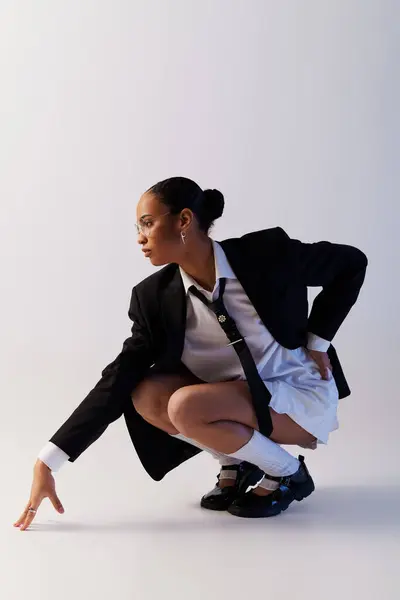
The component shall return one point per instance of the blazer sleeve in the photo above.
(106, 401)
(339, 269)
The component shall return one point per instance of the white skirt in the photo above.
(302, 394)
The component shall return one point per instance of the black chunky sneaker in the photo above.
(221, 498)
(291, 487)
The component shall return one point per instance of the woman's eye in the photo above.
(148, 223)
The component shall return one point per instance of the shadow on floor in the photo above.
(357, 507)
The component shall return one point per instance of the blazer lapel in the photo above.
(254, 275)
(173, 314)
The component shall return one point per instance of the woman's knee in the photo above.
(150, 398)
(184, 409)
(152, 395)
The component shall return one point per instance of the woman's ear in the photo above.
(186, 216)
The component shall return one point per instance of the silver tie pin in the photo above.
(230, 343)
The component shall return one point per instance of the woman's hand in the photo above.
(43, 486)
(323, 362)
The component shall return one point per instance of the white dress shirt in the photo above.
(291, 376)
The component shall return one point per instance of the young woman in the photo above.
(222, 357)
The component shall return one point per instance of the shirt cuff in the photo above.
(317, 343)
(53, 456)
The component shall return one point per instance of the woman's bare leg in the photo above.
(221, 416)
(151, 396)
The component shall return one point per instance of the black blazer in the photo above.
(275, 272)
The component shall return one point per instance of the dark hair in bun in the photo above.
(179, 192)
(214, 203)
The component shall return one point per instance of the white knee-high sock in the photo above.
(223, 459)
(214, 453)
(267, 455)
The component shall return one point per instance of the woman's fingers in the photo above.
(323, 362)
(22, 517)
(56, 502)
(43, 486)
(28, 519)
(29, 516)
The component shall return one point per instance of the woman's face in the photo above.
(160, 232)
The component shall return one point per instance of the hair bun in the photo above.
(214, 202)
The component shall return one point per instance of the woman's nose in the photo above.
(141, 237)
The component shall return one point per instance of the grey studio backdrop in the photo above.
(290, 109)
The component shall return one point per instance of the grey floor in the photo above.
(124, 535)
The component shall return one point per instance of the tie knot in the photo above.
(194, 290)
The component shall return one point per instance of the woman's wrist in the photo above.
(41, 466)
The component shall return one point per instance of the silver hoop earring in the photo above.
(183, 235)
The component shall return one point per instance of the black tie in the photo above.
(260, 394)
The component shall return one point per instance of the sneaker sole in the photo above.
(211, 507)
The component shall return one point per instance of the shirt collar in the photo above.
(222, 268)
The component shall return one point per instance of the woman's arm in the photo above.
(339, 269)
(105, 402)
